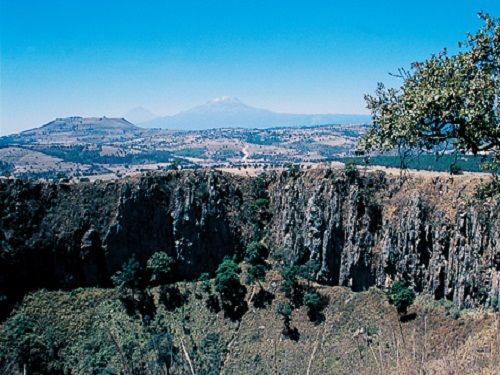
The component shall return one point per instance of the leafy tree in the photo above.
(309, 269)
(445, 99)
(227, 284)
(312, 300)
(315, 303)
(255, 255)
(30, 346)
(351, 170)
(205, 282)
(284, 310)
(174, 165)
(455, 169)
(129, 283)
(160, 266)
(292, 169)
(257, 274)
(401, 296)
(129, 275)
(171, 297)
(290, 285)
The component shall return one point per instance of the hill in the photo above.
(70, 130)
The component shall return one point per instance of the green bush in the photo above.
(160, 266)
(29, 345)
(315, 304)
(351, 171)
(228, 285)
(455, 169)
(256, 273)
(129, 276)
(256, 253)
(401, 296)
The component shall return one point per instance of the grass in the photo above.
(360, 333)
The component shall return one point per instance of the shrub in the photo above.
(160, 266)
(256, 273)
(284, 310)
(401, 296)
(309, 269)
(232, 293)
(256, 253)
(455, 169)
(129, 275)
(290, 285)
(205, 282)
(351, 170)
(315, 303)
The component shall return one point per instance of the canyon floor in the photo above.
(358, 333)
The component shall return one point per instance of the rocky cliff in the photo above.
(370, 230)
(363, 231)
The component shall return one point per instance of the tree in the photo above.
(401, 296)
(205, 282)
(290, 285)
(315, 303)
(255, 255)
(284, 310)
(309, 270)
(128, 282)
(29, 345)
(128, 276)
(228, 285)
(159, 265)
(445, 99)
(312, 300)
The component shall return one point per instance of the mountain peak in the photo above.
(225, 100)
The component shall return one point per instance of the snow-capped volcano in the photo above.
(226, 111)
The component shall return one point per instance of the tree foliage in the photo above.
(160, 266)
(445, 99)
(401, 296)
(255, 255)
(228, 285)
(128, 276)
(26, 344)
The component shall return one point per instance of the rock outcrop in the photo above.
(363, 231)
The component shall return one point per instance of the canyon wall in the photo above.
(363, 231)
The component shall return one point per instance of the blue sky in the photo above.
(93, 58)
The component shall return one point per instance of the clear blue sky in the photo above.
(93, 58)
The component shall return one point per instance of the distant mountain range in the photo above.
(229, 112)
(224, 112)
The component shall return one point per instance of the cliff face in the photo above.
(363, 231)
(59, 235)
(371, 230)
